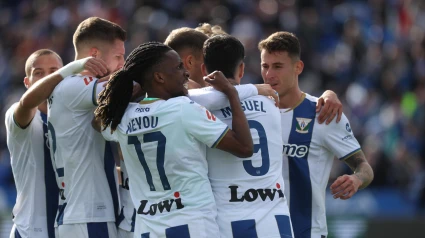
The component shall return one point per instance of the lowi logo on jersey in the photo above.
(253, 194)
(303, 125)
(163, 206)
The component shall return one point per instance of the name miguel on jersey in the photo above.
(246, 106)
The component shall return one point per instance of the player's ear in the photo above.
(158, 77)
(241, 69)
(27, 82)
(204, 70)
(299, 66)
(94, 52)
(188, 62)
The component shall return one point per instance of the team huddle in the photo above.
(199, 155)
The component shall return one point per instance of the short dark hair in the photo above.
(282, 41)
(138, 66)
(223, 53)
(186, 38)
(35, 55)
(96, 29)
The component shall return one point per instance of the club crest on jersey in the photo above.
(303, 125)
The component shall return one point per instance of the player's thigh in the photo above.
(125, 234)
(88, 230)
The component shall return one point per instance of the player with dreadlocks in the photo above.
(163, 140)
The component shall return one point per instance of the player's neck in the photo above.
(158, 94)
(43, 107)
(291, 99)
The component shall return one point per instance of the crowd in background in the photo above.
(370, 52)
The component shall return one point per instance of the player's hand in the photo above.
(345, 186)
(217, 80)
(329, 106)
(97, 67)
(268, 91)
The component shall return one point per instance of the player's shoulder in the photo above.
(260, 98)
(76, 81)
(11, 109)
(311, 98)
(181, 99)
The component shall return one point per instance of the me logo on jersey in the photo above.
(252, 194)
(163, 206)
(294, 150)
(303, 125)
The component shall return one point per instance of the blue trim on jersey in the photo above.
(284, 225)
(244, 228)
(220, 137)
(350, 154)
(94, 96)
(52, 190)
(109, 164)
(121, 217)
(60, 171)
(299, 172)
(61, 212)
(17, 235)
(177, 232)
(133, 220)
(97, 229)
(145, 235)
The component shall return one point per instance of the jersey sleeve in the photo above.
(339, 138)
(107, 135)
(202, 124)
(214, 100)
(13, 129)
(79, 92)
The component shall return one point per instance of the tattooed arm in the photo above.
(347, 185)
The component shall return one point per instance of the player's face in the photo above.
(176, 77)
(113, 55)
(279, 70)
(42, 66)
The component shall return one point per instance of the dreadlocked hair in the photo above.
(114, 99)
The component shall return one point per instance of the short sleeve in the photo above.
(79, 92)
(13, 129)
(215, 100)
(107, 135)
(339, 139)
(202, 124)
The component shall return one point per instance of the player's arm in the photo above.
(329, 106)
(347, 185)
(214, 100)
(237, 141)
(41, 90)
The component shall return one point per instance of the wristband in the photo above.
(73, 68)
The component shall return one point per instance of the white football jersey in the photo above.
(37, 192)
(84, 163)
(127, 214)
(163, 145)
(249, 192)
(308, 152)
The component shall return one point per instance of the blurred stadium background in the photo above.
(370, 52)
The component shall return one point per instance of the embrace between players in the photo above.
(217, 160)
